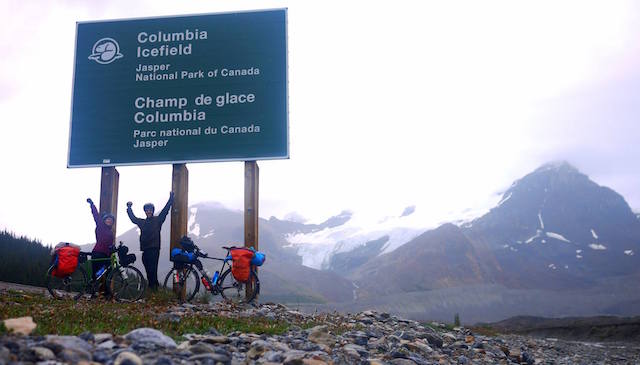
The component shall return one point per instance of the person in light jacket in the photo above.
(150, 237)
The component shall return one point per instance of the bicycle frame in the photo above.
(122, 282)
(197, 265)
(187, 268)
(111, 262)
(216, 286)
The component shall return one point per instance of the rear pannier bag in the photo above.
(65, 259)
(241, 266)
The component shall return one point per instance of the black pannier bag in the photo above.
(187, 244)
(124, 258)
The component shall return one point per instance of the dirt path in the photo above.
(27, 288)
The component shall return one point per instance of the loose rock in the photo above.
(22, 326)
(43, 353)
(320, 334)
(152, 336)
(127, 358)
(362, 338)
(69, 342)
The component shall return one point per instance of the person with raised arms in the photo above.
(150, 237)
(105, 239)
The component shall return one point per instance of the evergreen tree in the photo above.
(22, 260)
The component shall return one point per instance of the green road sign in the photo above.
(180, 89)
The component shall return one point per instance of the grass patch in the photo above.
(485, 331)
(68, 317)
(160, 297)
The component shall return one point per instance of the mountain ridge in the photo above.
(552, 231)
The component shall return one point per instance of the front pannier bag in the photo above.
(182, 256)
(258, 259)
(241, 266)
(65, 259)
(124, 258)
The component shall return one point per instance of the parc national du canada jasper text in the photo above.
(163, 110)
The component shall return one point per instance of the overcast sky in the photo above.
(441, 105)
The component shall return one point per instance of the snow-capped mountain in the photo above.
(553, 229)
(552, 239)
(557, 219)
(556, 244)
(317, 248)
(365, 236)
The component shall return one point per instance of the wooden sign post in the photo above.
(251, 178)
(179, 209)
(109, 193)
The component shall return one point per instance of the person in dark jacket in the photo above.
(104, 237)
(150, 238)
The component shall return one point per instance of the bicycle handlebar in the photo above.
(202, 254)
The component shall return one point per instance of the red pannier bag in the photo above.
(66, 259)
(241, 266)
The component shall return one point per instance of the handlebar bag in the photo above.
(182, 256)
(241, 266)
(66, 259)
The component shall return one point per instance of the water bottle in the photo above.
(101, 271)
(215, 277)
(206, 283)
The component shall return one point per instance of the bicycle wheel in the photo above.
(236, 291)
(187, 277)
(126, 284)
(71, 286)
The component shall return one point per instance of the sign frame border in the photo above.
(286, 156)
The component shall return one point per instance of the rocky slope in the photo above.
(437, 259)
(367, 337)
